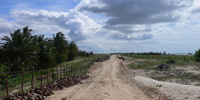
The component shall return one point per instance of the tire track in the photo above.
(107, 82)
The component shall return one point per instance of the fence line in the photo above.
(44, 74)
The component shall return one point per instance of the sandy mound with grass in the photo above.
(178, 91)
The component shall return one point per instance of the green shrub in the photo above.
(185, 58)
(3, 74)
(197, 55)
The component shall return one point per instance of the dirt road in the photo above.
(107, 82)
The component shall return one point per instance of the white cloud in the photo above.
(132, 19)
(196, 8)
(128, 32)
(74, 24)
(136, 11)
(6, 27)
(151, 24)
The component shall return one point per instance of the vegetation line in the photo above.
(23, 53)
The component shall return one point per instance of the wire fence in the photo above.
(19, 81)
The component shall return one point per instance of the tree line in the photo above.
(196, 54)
(142, 53)
(22, 49)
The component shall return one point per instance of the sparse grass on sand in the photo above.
(185, 70)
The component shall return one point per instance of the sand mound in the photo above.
(179, 91)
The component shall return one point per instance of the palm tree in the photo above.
(91, 53)
(1, 55)
(82, 53)
(61, 45)
(20, 49)
(46, 53)
(73, 50)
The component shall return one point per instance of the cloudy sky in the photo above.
(106, 26)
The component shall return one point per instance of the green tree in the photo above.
(164, 53)
(81, 53)
(197, 55)
(20, 49)
(61, 45)
(46, 56)
(91, 53)
(73, 51)
(87, 54)
(1, 55)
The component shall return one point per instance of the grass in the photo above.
(27, 86)
(79, 62)
(15, 83)
(140, 66)
(164, 57)
(150, 62)
(183, 76)
(27, 78)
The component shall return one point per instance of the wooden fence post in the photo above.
(68, 73)
(41, 77)
(32, 77)
(57, 72)
(52, 73)
(71, 71)
(8, 70)
(64, 72)
(75, 70)
(47, 76)
(22, 80)
(60, 72)
(81, 70)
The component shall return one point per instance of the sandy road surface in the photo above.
(106, 82)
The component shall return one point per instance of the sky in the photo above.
(108, 26)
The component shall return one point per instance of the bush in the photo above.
(3, 74)
(197, 55)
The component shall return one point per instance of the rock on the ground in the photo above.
(163, 66)
(170, 61)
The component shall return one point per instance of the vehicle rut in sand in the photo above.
(106, 82)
